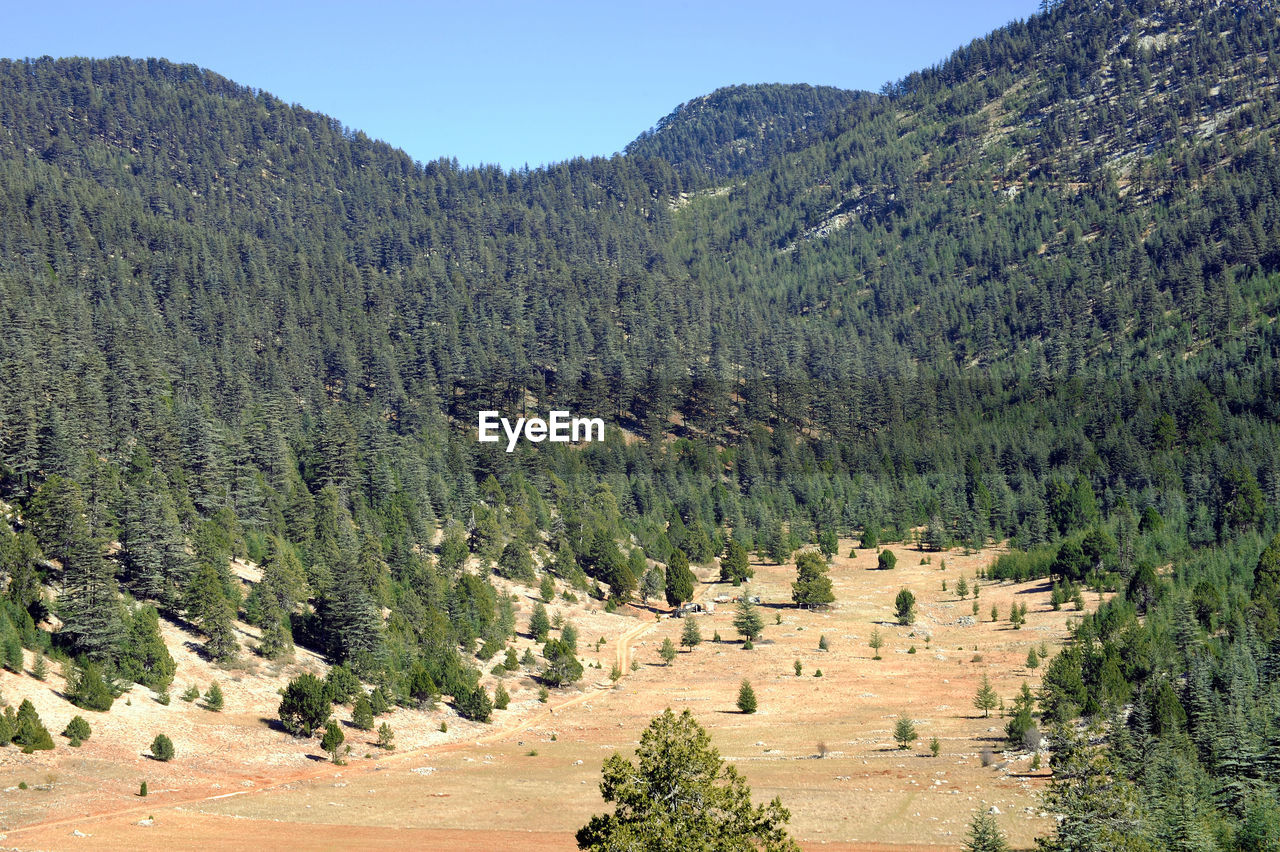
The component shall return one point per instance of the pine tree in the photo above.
(876, 642)
(747, 620)
(668, 651)
(385, 737)
(986, 698)
(362, 714)
(332, 740)
(985, 835)
(680, 580)
(539, 623)
(812, 587)
(690, 635)
(904, 732)
(162, 748)
(213, 699)
(735, 565)
(905, 606)
(501, 698)
(746, 697)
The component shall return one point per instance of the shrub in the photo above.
(385, 736)
(305, 706)
(191, 693)
(213, 699)
(332, 740)
(341, 685)
(935, 747)
(28, 731)
(77, 730)
(162, 748)
(501, 700)
(142, 790)
(886, 560)
(90, 691)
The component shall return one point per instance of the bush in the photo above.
(823, 645)
(333, 739)
(305, 707)
(29, 732)
(142, 790)
(162, 748)
(191, 693)
(385, 737)
(77, 730)
(905, 606)
(501, 700)
(342, 685)
(886, 560)
(90, 691)
(474, 704)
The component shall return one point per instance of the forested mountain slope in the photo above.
(1029, 293)
(738, 130)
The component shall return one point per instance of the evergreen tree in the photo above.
(747, 620)
(362, 714)
(28, 732)
(213, 699)
(539, 623)
(690, 635)
(680, 580)
(985, 835)
(668, 651)
(904, 732)
(677, 791)
(746, 697)
(812, 586)
(905, 606)
(162, 748)
(332, 740)
(305, 707)
(986, 698)
(735, 567)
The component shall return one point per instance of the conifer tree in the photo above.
(690, 635)
(746, 697)
(986, 698)
(747, 620)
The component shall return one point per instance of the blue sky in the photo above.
(512, 83)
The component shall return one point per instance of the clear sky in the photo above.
(492, 81)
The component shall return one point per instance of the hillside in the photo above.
(1028, 295)
(738, 130)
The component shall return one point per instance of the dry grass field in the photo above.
(529, 780)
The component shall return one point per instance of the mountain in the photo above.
(738, 130)
(1028, 294)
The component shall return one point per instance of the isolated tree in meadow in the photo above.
(747, 620)
(905, 606)
(667, 651)
(962, 588)
(886, 560)
(876, 642)
(305, 706)
(162, 748)
(812, 586)
(904, 732)
(690, 635)
(680, 579)
(213, 699)
(986, 699)
(1033, 658)
(501, 698)
(385, 737)
(985, 835)
(746, 697)
(679, 795)
(333, 739)
(77, 730)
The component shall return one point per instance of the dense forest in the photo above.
(1028, 294)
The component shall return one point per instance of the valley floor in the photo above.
(530, 779)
